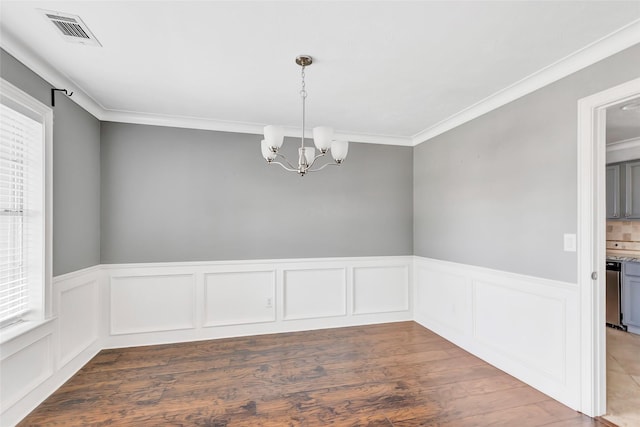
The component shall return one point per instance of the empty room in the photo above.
(310, 213)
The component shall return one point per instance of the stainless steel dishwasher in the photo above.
(614, 312)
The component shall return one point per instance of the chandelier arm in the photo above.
(283, 166)
(323, 166)
(316, 158)
(286, 161)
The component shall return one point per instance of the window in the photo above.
(25, 182)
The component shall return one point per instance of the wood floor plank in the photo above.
(522, 416)
(578, 422)
(386, 375)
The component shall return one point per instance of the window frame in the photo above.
(43, 309)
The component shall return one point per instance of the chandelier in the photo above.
(307, 157)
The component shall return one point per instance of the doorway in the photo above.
(623, 250)
(592, 240)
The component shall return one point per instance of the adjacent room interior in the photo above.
(623, 237)
(311, 213)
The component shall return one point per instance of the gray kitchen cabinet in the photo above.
(613, 192)
(623, 190)
(632, 190)
(630, 296)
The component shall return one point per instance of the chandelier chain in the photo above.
(303, 95)
(303, 91)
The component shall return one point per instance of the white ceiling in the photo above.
(623, 124)
(383, 71)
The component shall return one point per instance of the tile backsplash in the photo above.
(623, 237)
(624, 231)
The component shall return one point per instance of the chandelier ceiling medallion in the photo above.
(322, 139)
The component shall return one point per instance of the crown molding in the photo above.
(624, 144)
(604, 47)
(403, 141)
(180, 122)
(295, 132)
(236, 127)
(56, 79)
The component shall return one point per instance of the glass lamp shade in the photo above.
(339, 150)
(322, 137)
(266, 152)
(274, 135)
(309, 154)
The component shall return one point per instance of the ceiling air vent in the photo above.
(71, 28)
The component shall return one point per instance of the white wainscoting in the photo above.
(526, 326)
(173, 302)
(78, 315)
(26, 369)
(235, 298)
(381, 289)
(35, 363)
(147, 303)
(314, 292)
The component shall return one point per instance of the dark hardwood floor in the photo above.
(397, 374)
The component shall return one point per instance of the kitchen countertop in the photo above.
(626, 258)
(615, 254)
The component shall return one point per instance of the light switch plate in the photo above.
(570, 243)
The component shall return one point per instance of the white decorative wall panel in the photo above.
(239, 297)
(24, 370)
(152, 303)
(315, 293)
(380, 289)
(526, 326)
(444, 298)
(234, 298)
(78, 317)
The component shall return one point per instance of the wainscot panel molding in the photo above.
(375, 289)
(240, 297)
(151, 302)
(314, 293)
(37, 362)
(526, 326)
(160, 303)
(78, 304)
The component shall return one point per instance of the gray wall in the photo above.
(498, 191)
(501, 190)
(171, 194)
(76, 172)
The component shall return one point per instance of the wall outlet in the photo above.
(269, 302)
(570, 243)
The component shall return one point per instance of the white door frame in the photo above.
(592, 241)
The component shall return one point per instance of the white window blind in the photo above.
(21, 141)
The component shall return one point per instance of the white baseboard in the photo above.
(526, 326)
